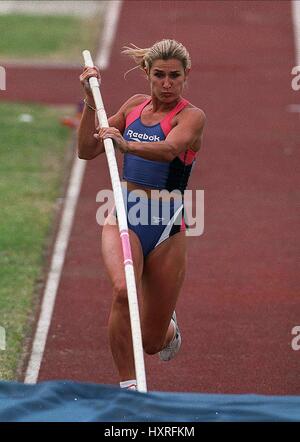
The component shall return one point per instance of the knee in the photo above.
(151, 347)
(120, 293)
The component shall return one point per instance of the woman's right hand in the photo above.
(84, 79)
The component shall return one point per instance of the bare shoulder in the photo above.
(194, 114)
(118, 120)
(191, 120)
(132, 102)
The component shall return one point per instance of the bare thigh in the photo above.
(113, 256)
(163, 276)
(119, 325)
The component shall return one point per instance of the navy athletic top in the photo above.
(159, 175)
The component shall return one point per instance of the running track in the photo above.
(240, 299)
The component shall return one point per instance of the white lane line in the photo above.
(108, 35)
(295, 4)
(54, 274)
(63, 235)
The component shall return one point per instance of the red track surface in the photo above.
(241, 296)
(41, 83)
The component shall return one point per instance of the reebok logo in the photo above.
(136, 136)
(157, 219)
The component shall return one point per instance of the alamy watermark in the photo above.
(2, 338)
(296, 80)
(2, 79)
(162, 208)
(296, 340)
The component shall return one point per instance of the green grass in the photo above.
(32, 164)
(51, 38)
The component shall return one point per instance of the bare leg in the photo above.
(163, 276)
(119, 319)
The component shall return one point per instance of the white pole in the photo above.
(123, 228)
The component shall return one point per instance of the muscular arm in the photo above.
(187, 133)
(88, 146)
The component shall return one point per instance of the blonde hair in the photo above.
(161, 50)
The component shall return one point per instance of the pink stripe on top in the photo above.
(186, 157)
(136, 112)
(167, 120)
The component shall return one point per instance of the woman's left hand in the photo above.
(115, 135)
